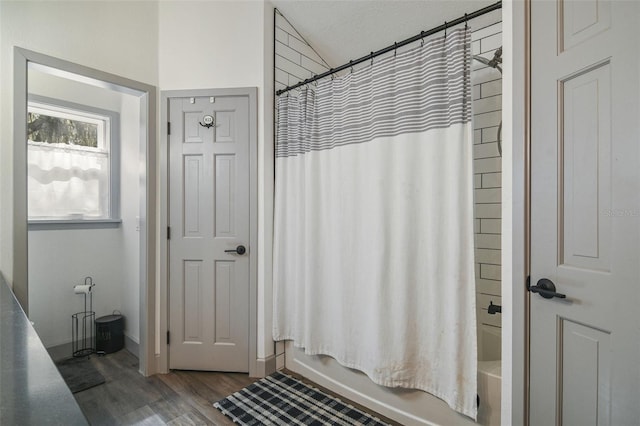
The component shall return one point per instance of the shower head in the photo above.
(494, 62)
(481, 59)
(497, 58)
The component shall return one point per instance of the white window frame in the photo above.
(108, 140)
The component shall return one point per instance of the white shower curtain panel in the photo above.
(374, 261)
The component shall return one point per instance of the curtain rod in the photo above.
(423, 34)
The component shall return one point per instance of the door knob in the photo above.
(545, 288)
(238, 250)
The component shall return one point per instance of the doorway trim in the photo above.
(256, 369)
(22, 58)
(515, 210)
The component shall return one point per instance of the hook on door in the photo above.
(208, 121)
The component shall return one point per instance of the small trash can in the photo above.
(109, 333)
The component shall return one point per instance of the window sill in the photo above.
(40, 225)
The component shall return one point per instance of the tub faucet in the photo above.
(494, 309)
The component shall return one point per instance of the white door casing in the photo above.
(209, 216)
(585, 212)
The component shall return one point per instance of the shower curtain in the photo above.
(373, 249)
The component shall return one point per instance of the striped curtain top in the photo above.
(424, 88)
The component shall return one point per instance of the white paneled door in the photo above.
(209, 233)
(585, 217)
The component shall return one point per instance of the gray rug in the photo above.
(79, 374)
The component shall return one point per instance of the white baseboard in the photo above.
(132, 346)
(266, 366)
(65, 350)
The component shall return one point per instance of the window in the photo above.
(72, 163)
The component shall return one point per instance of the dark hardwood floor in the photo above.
(177, 398)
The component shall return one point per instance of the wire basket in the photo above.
(83, 343)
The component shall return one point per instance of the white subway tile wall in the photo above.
(487, 114)
(295, 60)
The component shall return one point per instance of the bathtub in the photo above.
(489, 392)
(409, 407)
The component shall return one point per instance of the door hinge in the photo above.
(168, 127)
(168, 232)
(168, 338)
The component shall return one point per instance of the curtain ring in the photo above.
(422, 36)
(445, 29)
(351, 63)
(395, 49)
(371, 58)
(466, 23)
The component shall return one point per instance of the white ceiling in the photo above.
(340, 30)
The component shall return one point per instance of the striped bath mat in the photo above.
(280, 399)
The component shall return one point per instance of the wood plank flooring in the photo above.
(177, 398)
